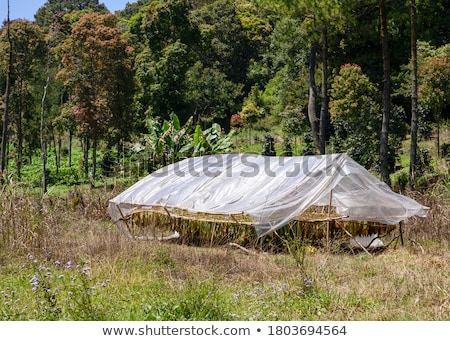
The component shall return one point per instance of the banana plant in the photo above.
(164, 140)
(169, 142)
(210, 141)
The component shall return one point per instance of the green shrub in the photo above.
(445, 151)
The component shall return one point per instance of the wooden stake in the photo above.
(328, 221)
(243, 249)
(127, 232)
(401, 231)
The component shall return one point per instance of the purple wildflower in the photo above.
(34, 281)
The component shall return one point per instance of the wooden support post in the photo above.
(212, 234)
(171, 220)
(168, 213)
(126, 231)
(400, 224)
(328, 221)
(234, 218)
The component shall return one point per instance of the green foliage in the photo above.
(165, 38)
(210, 95)
(287, 147)
(167, 22)
(287, 45)
(431, 27)
(169, 142)
(132, 8)
(445, 151)
(28, 49)
(56, 292)
(434, 92)
(269, 146)
(252, 110)
(294, 122)
(163, 259)
(423, 163)
(224, 41)
(164, 141)
(52, 9)
(212, 141)
(309, 142)
(355, 115)
(193, 302)
(273, 98)
(210, 60)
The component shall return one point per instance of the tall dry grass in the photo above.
(78, 220)
(31, 222)
(436, 226)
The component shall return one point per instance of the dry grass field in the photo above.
(62, 258)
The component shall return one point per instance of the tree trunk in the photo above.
(438, 137)
(7, 91)
(312, 97)
(19, 131)
(86, 154)
(43, 145)
(94, 163)
(324, 108)
(70, 148)
(414, 120)
(58, 154)
(384, 151)
(55, 149)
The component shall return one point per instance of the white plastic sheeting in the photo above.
(271, 191)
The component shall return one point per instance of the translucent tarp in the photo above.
(271, 191)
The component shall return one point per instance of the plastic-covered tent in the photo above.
(266, 192)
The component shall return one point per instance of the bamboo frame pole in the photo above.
(126, 231)
(328, 221)
(400, 224)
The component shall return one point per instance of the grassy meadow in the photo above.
(62, 258)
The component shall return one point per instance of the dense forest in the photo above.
(175, 78)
